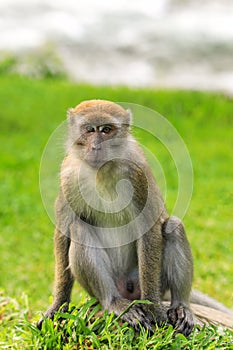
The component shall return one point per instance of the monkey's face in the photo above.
(99, 143)
(98, 135)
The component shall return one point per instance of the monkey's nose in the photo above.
(96, 147)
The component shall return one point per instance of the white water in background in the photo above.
(162, 43)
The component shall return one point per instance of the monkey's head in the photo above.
(98, 131)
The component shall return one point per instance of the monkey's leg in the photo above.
(177, 274)
(96, 272)
(63, 276)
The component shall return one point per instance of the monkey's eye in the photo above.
(90, 128)
(105, 129)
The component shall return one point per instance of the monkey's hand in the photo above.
(51, 312)
(182, 319)
(146, 315)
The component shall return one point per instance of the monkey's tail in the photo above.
(203, 299)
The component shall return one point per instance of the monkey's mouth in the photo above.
(94, 163)
(95, 159)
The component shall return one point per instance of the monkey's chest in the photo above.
(104, 206)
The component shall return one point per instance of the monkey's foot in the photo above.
(51, 312)
(137, 314)
(145, 315)
(181, 319)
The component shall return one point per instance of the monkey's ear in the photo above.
(129, 116)
(70, 116)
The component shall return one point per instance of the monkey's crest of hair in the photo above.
(89, 104)
(99, 105)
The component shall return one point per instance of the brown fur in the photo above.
(124, 263)
(107, 106)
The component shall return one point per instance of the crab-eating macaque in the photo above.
(113, 233)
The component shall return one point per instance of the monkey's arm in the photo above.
(150, 254)
(63, 276)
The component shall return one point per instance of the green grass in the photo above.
(86, 328)
(30, 111)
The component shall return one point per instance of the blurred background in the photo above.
(154, 53)
(164, 43)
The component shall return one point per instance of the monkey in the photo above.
(113, 233)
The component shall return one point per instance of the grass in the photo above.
(30, 111)
(86, 328)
